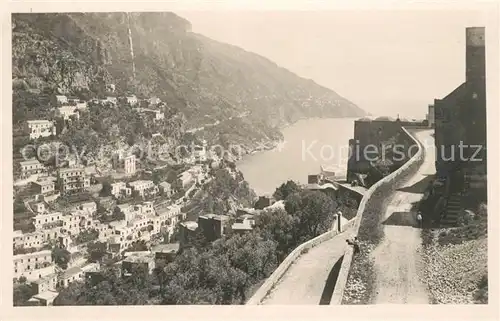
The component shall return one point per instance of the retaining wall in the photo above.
(386, 182)
(350, 193)
(276, 276)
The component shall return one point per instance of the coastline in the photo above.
(273, 144)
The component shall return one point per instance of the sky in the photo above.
(388, 62)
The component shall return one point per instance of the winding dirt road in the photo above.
(397, 259)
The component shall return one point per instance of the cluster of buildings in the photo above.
(214, 226)
(43, 276)
(69, 108)
(119, 226)
(141, 222)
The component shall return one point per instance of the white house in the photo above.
(111, 100)
(61, 99)
(41, 128)
(42, 219)
(81, 105)
(120, 188)
(153, 101)
(141, 186)
(111, 87)
(31, 167)
(132, 100)
(67, 111)
(166, 188)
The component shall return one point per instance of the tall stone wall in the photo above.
(371, 138)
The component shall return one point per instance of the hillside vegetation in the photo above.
(201, 80)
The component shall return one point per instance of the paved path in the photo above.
(397, 259)
(305, 280)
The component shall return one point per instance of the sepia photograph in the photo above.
(184, 157)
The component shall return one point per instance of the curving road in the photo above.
(397, 259)
(305, 280)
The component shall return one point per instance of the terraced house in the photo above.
(40, 128)
(31, 167)
(72, 180)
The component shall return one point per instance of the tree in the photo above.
(60, 256)
(87, 236)
(314, 211)
(279, 226)
(96, 251)
(118, 214)
(202, 278)
(111, 290)
(138, 246)
(286, 189)
(22, 293)
(106, 188)
(250, 253)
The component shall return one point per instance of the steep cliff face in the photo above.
(207, 81)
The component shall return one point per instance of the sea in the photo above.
(307, 145)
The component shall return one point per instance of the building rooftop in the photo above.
(123, 207)
(30, 162)
(247, 216)
(38, 121)
(166, 248)
(72, 169)
(67, 108)
(190, 225)
(45, 278)
(71, 272)
(34, 233)
(140, 182)
(215, 217)
(43, 182)
(165, 184)
(276, 205)
(241, 227)
(90, 267)
(118, 224)
(384, 118)
(47, 295)
(139, 257)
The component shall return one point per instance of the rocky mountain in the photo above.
(156, 54)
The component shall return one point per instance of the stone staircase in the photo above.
(452, 210)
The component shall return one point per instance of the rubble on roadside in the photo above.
(453, 272)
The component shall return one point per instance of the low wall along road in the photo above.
(299, 279)
(388, 183)
(304, 276)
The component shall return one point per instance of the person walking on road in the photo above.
(419, 220)
(355, 244)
